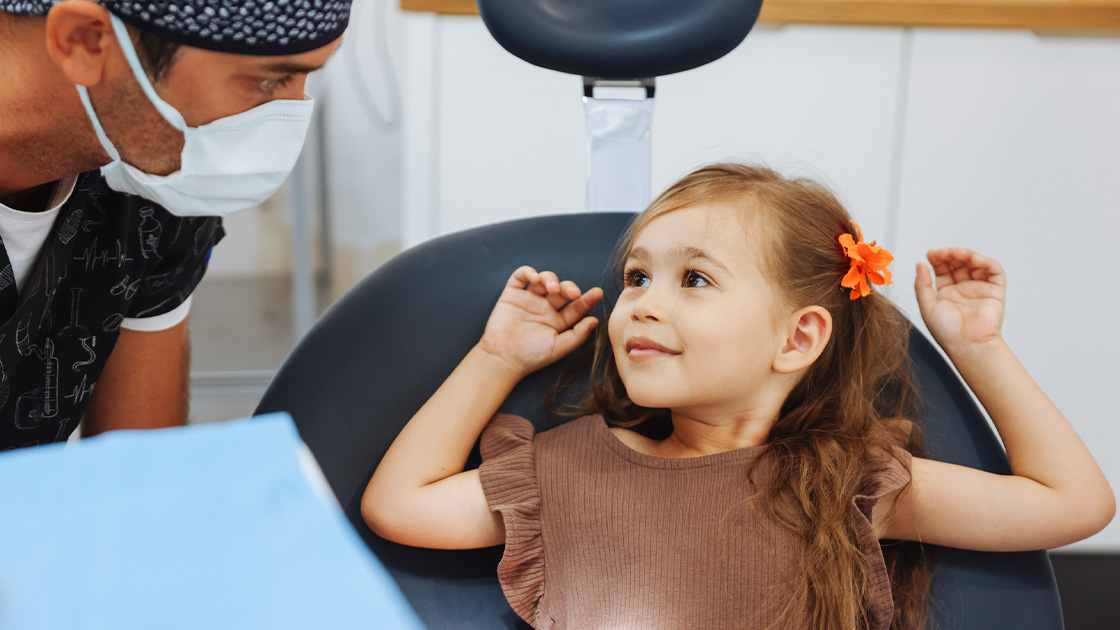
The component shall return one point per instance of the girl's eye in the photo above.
(635, 278)
(695, 279)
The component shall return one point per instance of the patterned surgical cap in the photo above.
(251, 27)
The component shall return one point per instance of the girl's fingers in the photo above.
(581, 306)
(542, 283)
(566, 304)
(522, 275)
(569, 290)
(527, 301)
(561, 309)
(942, 267)
(923, 287)
(545, 285)
(572, 338)
(959, 259)
(988, 269)
(953, 265)
(551, 282)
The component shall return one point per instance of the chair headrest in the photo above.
(619, 39)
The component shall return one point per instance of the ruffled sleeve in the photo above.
(509, 480)
(890, 471)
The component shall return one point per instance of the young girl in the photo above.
(746, 320)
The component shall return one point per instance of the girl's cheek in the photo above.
(616, 321)
(616, 326)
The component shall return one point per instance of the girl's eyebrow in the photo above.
(639, 254)
(684, 252)
(692, 253)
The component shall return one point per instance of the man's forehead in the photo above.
(248, 27)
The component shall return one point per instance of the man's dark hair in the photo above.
(156, 55)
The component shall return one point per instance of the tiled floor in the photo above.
(240, 334)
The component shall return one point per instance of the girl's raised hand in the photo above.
(538, 319)
(967, 305)
(1055, 494)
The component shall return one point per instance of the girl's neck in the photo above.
(694, 437)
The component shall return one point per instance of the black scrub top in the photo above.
(109, 256)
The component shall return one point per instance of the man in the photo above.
(122, 125)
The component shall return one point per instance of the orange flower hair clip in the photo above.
(867, 261)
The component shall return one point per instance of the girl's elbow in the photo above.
(1105, 509)
(377, 512)
(1092, 514)
(377, 523)
(371, 512)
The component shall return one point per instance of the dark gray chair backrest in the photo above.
(379, 352)
(620, 39)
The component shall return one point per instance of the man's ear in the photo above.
(78, 35)
(807, 333)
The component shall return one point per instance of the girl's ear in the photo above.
(807, 334)
(77, 34)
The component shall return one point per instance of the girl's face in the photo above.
(696, 328)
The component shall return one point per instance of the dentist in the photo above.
(127, 130)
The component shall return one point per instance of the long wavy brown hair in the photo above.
(839, 413)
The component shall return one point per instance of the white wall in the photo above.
(1013, 148)
(257, 242)
(1007, 142)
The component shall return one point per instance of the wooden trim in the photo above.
(1088, 16)
(448, 7)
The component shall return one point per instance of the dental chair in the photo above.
(380, 351)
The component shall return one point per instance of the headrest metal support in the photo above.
(590, 83)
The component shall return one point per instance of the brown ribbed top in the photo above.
(601, 536)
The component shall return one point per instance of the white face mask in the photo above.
(227, 165)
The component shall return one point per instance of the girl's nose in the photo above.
(650, 305)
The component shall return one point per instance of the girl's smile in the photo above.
(641, 348)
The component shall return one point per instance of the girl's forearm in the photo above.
(420, 494)
(437, 440)
(1041, 444)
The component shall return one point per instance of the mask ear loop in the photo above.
(105, 142)
(169, 113)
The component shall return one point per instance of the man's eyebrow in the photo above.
(291, 67)
(287, 66)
